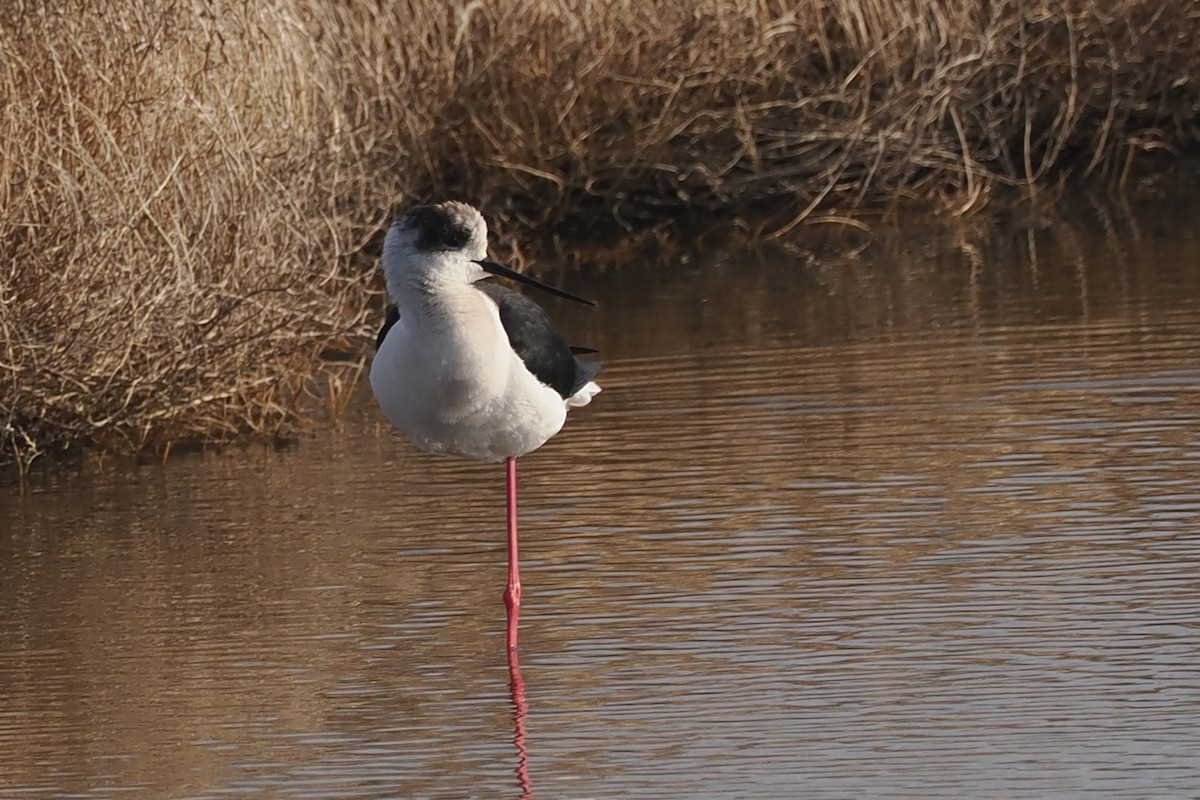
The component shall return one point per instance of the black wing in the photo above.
(533, 336)
(536, 340)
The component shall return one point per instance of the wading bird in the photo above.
(469, 368)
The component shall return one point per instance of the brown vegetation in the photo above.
(184, 184)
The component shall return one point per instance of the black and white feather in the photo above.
(466, 367)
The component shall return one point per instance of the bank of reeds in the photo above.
(186, 186)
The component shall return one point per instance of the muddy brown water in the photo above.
(921, 523)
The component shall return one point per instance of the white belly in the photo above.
(452, 384)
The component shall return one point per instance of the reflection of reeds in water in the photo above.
(181, 185)
(797, 490)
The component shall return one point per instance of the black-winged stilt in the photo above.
(468, 368)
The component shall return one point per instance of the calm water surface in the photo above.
(923, 522)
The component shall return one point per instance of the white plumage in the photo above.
(447, 373)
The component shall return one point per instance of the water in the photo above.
(922, 522)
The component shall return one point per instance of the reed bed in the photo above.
(188, 188)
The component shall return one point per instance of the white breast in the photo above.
(446, 376)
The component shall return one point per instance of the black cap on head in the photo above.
(440, 227)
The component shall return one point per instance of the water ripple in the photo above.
(826, 537)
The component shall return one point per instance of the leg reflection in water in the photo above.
(516, 687)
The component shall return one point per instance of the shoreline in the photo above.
(816, 250)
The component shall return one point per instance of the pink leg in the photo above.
(512, 595)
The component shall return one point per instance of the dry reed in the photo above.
(185, 184)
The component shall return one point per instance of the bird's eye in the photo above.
(455, 236)
(436, 229)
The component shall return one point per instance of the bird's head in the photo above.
(431, 248)
(431, 244)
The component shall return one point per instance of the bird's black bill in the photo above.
(505, 272)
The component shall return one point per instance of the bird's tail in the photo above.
(585, 388)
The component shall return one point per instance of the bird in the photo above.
(470, 368)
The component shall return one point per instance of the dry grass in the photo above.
(170, 255)
(627, 108)
(184, 185)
